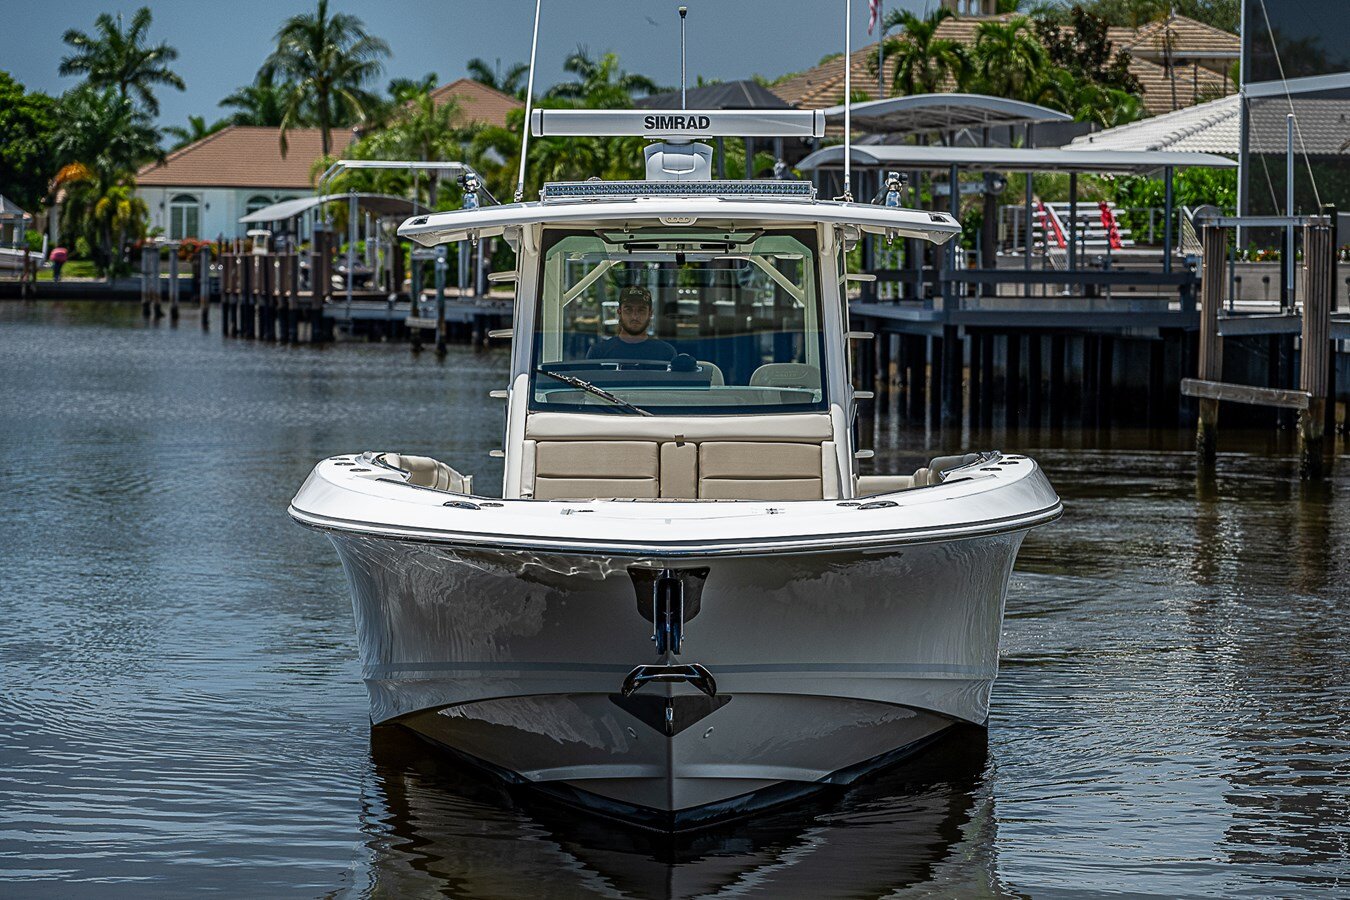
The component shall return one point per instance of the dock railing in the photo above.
(961, 285)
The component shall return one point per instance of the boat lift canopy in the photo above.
(15, 219)
(914, 157)
(919, 158)
(382, 205)
(929, 113)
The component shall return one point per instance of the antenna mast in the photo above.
(848, 102)
(684, 103)
(529, 105)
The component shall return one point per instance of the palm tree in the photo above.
(196, 130)
(426, 130)
(923, 61)
(103, 140)
(512, 81)
(1009, 58)
(1085, 100)
(261, 103)
(601, 83)
(328, 59)
(402, 92)
(118, 57)
(406, 90)
(105, 132)
(495, 151)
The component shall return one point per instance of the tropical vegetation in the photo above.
(1222, 14)
(262, 103)
(117, 56)
(325, 66)
(327, 59)
(28, 122)
(104, 138)
(511, 81)
(1064, 62)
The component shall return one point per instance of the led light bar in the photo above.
(615, 190)
(683, 123)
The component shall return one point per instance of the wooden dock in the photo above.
(980, 350)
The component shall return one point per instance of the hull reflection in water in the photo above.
(434, 826)
(828, 666)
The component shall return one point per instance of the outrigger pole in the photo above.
(529, 105)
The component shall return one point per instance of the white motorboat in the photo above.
(686, 602)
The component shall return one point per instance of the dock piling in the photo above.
(1213, 241)
(156, 284)
(442, 269)
(173, 284)
(204, 285)
(293, 301)
(1318, 299)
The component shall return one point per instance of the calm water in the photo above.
(181, 708)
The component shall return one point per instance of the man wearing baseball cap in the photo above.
(632, 341)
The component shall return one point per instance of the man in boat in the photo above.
(632, 341)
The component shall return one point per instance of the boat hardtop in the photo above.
(640, 203)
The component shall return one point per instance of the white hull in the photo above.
(826, 663)
(13, 260)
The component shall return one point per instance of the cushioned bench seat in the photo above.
(741, 458)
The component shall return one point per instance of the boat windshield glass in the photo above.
(679, 321)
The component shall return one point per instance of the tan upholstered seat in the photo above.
(786, 375)
(869, 485)
(759, 470)
(585, 469)
(424, 471)
(756, 457)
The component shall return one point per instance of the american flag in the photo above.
(873, 11)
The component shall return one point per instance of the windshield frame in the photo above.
(545, 330)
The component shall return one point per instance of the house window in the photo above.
(255, 203)
(184, 217)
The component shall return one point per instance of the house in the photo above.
(1179, 62)
(477, 102)
(202, 190)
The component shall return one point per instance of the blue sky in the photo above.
(221, 45)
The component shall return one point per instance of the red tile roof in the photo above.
(823, 85)
(1189, 40)
(1194, 84)
(245, 156)
(477, 102)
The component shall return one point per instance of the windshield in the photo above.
(678, 321)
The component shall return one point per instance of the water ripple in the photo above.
(182, 707)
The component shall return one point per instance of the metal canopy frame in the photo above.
(917, 158)
(386, 205)
(412, 165)
(928, 113)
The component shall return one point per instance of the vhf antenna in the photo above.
(529, 105)
(848, 102)
(684, 104)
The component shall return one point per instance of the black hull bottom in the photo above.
(712, 815)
